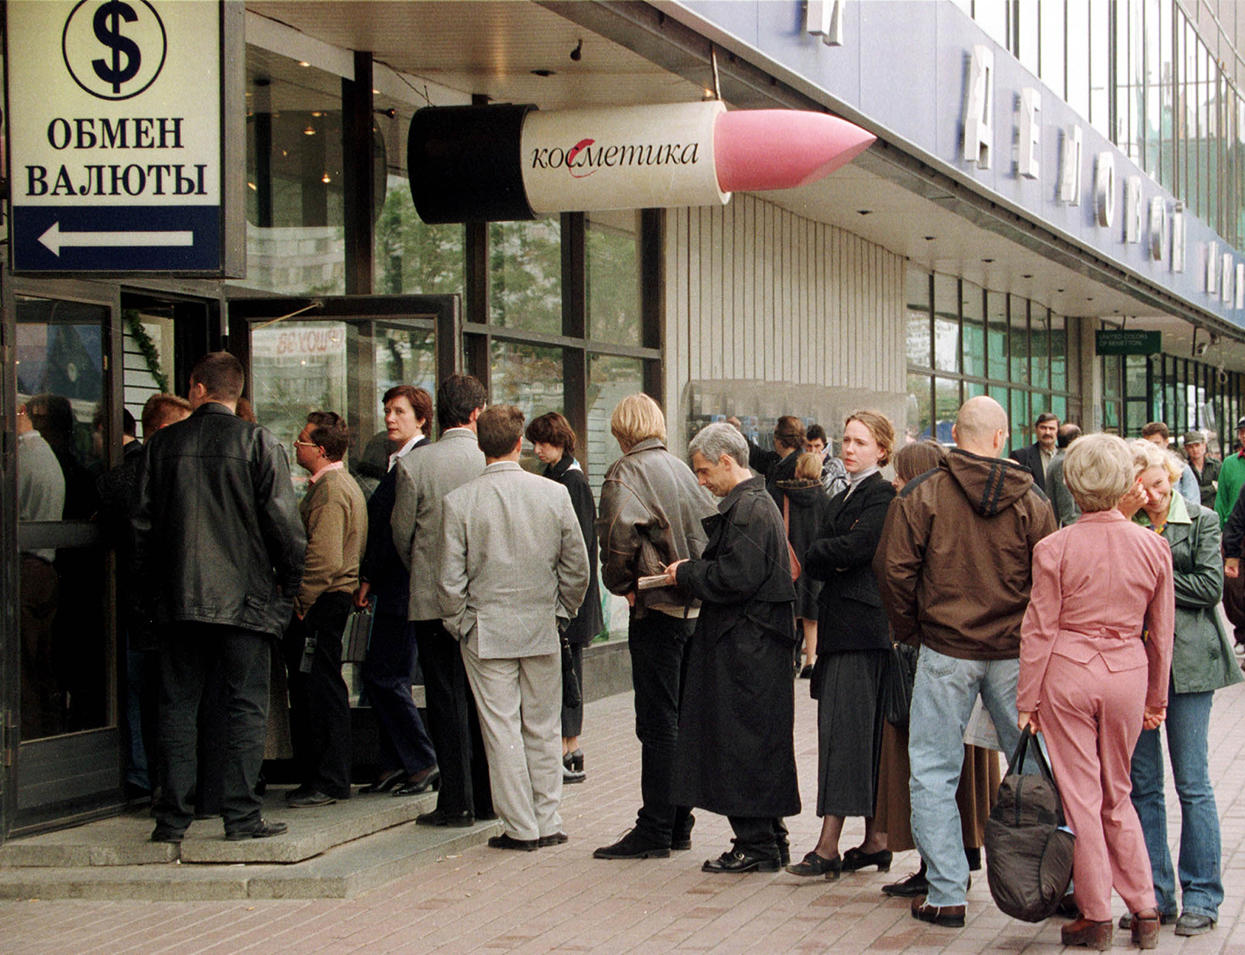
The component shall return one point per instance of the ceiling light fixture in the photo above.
(326, 179)
(542, 72)
(577, 54)
(864, 212)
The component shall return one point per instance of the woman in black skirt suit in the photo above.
(853, 643)
(555, 447)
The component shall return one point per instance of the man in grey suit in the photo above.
(423, 481)
(514, 571)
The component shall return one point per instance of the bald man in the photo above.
(954, 571)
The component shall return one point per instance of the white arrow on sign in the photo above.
(54, 240)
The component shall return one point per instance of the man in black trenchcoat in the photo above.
(735, 745)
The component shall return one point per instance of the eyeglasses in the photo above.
(304, 444)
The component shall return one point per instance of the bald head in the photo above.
(981, 427)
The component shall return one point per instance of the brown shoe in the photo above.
(949, 916)
(1145, 929)
(1096, 935)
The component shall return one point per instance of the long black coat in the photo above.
(589, 621)
(735, 751)
(851, 614)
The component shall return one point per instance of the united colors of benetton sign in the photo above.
(115, 132)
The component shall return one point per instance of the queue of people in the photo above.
(485, 573)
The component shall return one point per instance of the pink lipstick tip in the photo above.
(760, 149)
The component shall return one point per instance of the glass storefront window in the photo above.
(996, 335)
(526, 376)
(919, 409)
(919, 340)
(294, 211)
(525, 275)
(1019, 339)
(1018, 417)
(612, 260)
(971, 306)
(1058, 353)
(946, 404)
(411, 256)
(1039, 345)
(946, 323)
(610, 379)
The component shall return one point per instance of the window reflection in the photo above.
(613, 278)
(65, 640)
(525, 275)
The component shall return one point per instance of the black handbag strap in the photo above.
(1029, 739)
(1017, 764)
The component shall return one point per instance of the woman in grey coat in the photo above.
(1202, 662)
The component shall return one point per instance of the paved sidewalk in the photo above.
(560, 899)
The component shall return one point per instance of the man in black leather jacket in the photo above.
(220, 545)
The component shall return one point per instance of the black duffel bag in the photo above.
(1028, 845)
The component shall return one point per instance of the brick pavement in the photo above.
(560, 899)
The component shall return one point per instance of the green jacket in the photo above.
(1231, 477)
(1202, 657)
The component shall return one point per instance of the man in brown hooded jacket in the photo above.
(953, 567)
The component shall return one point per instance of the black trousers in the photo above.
(658, 644)
(1234, 605)
(188, 652)
(453, 723)
(404, 743)
(319, 700)
(759, 835)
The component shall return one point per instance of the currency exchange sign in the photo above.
(115, 135)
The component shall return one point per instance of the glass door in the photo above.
(341, 354)
(68, 760)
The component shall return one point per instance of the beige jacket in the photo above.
(335, 516)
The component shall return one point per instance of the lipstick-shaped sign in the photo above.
(494, 163)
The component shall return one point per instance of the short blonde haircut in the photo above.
(637, 418)
(1098, 470)
(880, 427)
(808, 466)
(1147, 454)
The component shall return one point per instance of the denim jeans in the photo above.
(942, 701)
(1201, 887)
(658, 644)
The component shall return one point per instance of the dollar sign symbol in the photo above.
(107, 30)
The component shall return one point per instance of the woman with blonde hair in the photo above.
(1202, 662)
(1095, 651)
(853, 643)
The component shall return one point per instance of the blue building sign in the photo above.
(116, 156)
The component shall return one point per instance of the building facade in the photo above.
(1043, 172)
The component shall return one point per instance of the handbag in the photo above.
(572, 695)
(1028, 844)
(796, 569)
(897, 681)
(357, 633)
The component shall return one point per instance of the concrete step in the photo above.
(125, 840)
(341, 872)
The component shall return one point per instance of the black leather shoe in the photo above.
(423, 781)
(506, 841)
(973, 858)
(632, 846)
(261, 830)
(573, 767)
(461, 819)
(813, 864)
(740, 860)
(386, 782)
(554, 840)
(310, 800)
(1192, 923)
(172, 836)
(854, 859)
(909, 888)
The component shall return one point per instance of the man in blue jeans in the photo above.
(954, 570)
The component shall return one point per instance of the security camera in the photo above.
(1200, 348)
